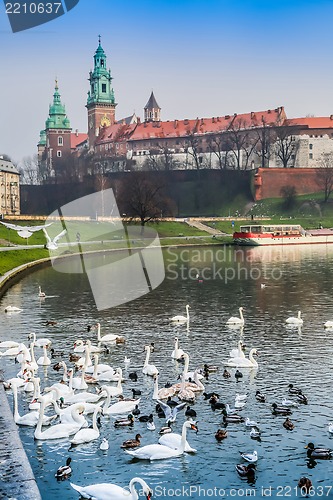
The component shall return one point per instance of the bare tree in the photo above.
(29, 170)
(286, 144)
(193, 148)
(325, 175)
(266, 138)
(220, 146)
(242, 141)
(142, 197)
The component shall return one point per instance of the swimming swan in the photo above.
(295, 320)
(182, 319)
(243, 362)
(173, 440)
(59, 431)
(147, 368)
(177, 353)
(86, 435)
(234, 320)
(106, 338)
(108, 491)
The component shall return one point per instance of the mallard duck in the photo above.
(74, 358)
(50, 323)
(226, 374)
(246, 470)
(305, 484)
(132, 443)
(260, 397)
(301, 398)
(250, 457)
(65, 470)
(216, 404)
(166, 429)
(189, 412)
(232, 418)
(146, 418)
(56, 354)
(287, 424)
(136, 392)
(120, 340)
(294, 390)
(221, 434)
(208, 395)
(210, 368)
(322, 453)
(280, 410)
(124, 421)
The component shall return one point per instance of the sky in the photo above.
(201, 58)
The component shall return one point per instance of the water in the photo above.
(298, 278)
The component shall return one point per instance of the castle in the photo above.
(259, 139)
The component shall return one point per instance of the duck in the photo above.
(109, 491)
(122, 422)
(322, 453)
(226, 374)
(65, 470)
(288, 424)
(301, 398)
(151, 425)
(136, 392)
(305, 484)
(87, 435)
(177, 353)
(136, 411)
(234, 320)
(246, 470)
(208, 395)
(295, 320)
(221, 434)
(173, 440)
(210, 368)
(189, 412)
(182, 319)
(294, 390)
(280, 410)
(146, 418)
(238, 375)
(260, 397)
(232, 418)
(160, 451)
(104, 445)
(216, 404)
(56, 354)
(50, 322)
(133, 376)
(148, 369)
(132, 443)
(250, 457)
(165, 429)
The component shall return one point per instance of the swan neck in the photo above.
(183, 439)
(133, 489)
(16, 412)
(98, 332)
(155, 393)
(147, 356)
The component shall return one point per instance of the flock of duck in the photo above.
(72, 402)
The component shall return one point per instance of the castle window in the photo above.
(310, 146)
(104, 87)
(60, 140)
(102, 63)
(59, 154)
(310, 156)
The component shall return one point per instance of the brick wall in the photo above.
(269, 181)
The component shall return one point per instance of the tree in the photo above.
(288, 193)
(220, 145)
(193, 149)
(325, 175)
(142, 196)
(286, 145)
(266, 136)
(242, 142)
(29, 170)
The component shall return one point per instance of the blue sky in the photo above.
(201, 58)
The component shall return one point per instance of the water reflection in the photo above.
(295, 278)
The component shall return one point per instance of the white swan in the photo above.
(30, 418)
(8, 344)
(41, 294)
(182, 319)
(234, 320)
(162, 393)
(159, 451)
(295, 320)
(98, 368)
(114, 391)
(108, 491)
(121, 407)
(243, 362)
(106, 338)
(44, 360)
(111, 375)
(177, 353)
(173, 440)
(83, 397)
(60, 430)
(239, 352)
(13, 309)
(147, 368)
(88, 434)
(328, 324)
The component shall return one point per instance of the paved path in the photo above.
(204, 227)
(17, 481)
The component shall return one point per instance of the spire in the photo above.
(57, 114)
(100, 79)
(152, 111)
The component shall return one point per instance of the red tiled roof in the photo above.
(313, 121)
(77, 138)
(116, 132)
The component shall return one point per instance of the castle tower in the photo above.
(55, 140)
(152, 111)
(100, 103)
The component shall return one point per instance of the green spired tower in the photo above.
(100, 103)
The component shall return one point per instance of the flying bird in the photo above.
(25, 231)
(52, 243)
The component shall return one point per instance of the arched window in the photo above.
(60, 140)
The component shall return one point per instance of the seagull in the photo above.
(171, 413)
(250, 457)
(24, 231)
(104, 444)
(52, 244)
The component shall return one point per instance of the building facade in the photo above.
(9, 188)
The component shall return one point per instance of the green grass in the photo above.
(14, 258)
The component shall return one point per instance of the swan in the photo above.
(8, 344)
(111, 375)
(121, 407)
(10, 309)
(106, 338)
(114, 391)
(88, 434)
(60, 430)
(109, 491)
(98, 368)
(182, 319)
(295, 320)
(83, 397)
(234, 320)
(33, 364)
(243, 362)
(162, 393)
(177, 353)
(147, 368)
(328, 324)
(44, 360)
(79, 382)
(30, 418)
(160, 451)
(173, 440)
(239, 352)
(41, 294)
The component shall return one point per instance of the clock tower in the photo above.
(100, 103)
